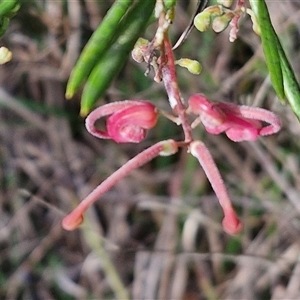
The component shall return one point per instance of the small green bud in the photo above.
(220, 23)
(214, 10)
(202, 20)
(193, 66)
(226, 3)
(137, 53)
(5, 55)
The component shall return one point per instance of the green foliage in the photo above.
(100, 41)
(169, 3)
(107, 51)
(8, 8)
(281, 73)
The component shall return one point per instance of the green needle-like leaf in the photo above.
(110, 64)
(7, 7)
(291, 86)
(269, 44)
(100, 41)
(281, 73)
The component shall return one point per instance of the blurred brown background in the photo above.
(160, 226)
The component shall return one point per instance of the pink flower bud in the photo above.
(127, 121)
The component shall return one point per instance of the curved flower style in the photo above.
(231, 223)
(127, 121)
(239, 122)
(163, 148)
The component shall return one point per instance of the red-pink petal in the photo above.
(130, 124)
(200, 105)
(124, 120)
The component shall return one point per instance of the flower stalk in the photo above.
(171, 85)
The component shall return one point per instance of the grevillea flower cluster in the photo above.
(128, 122)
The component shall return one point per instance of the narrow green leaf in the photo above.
(110, 64)
(102, 38)
(269, 44)
(7, 7)
(290, 83)
(281, 73)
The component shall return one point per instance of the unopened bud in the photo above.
(139, 49)
(193, 66)
(5, 55)
(220, 23)
(202, 20)
(214, 10)
(226, 3)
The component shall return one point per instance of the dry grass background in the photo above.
(160, 227)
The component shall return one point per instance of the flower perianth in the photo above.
(164, 148)
(231, 223)
(222, 117)
(239, 122)
(257, 113)
(127, 121)
(211, 117)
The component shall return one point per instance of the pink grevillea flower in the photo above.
(163, 148)
(239, 122)
(231, 223)
(127, 121)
